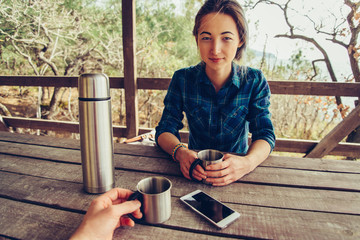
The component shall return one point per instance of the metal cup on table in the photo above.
(206, 158)
(155, 197)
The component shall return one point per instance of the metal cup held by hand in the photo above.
(206, 158)
(155, 197)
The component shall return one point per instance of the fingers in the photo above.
(126, 221)
(219, 182)
(223, 173)
(128, 207)
(186, 160)
(198, 172)
(114, 196)
(218, 166)
(197, 175)
(118, 198)
(123, 193)
(121, 210)
(185, 170)
(219, 178)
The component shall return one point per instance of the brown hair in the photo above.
(229, 7)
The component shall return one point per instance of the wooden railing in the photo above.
(277, 87)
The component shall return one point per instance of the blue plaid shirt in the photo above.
(220, 120)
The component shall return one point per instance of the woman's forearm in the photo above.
(167, 141)
(258, 152)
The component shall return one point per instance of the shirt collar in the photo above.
(203, 78)
(235, 77)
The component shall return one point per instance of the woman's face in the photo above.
(218, 40)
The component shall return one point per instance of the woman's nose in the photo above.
(216, 47)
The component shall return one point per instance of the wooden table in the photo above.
(41, 194)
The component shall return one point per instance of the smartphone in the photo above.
(214, 211)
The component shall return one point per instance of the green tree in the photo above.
(60, 38)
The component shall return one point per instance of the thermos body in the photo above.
(96, 133)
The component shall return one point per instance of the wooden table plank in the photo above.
(314, 164)
(285, 198)
(148, 151)
(142, 232)
(27, 221)
(39, 222)
(269, 175)
(273, 223)
(255, 221)
(259, 195)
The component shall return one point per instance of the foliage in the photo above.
(165, 42)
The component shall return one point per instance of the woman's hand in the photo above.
(230, 170)
(186, 157)
(235, 167)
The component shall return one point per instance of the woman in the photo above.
(222, 100)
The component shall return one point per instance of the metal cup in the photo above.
(210, 156)
(206, 158)
(155, 197)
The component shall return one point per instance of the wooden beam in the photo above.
(277, 87)
(130, 83)
(43, 81)
(3, 125)
(51, 125)
(330, 141)
(42, 124)
(315, 88)
(154, 83)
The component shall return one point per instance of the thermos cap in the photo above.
(94, 85)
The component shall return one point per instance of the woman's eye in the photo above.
(205, 38)
(227, 38)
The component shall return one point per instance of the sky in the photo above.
(270, 21)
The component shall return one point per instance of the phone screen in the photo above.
(209, 206)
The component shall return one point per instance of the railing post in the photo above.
(130, 81)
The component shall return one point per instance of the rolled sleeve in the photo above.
(260, 125)
(171, 120)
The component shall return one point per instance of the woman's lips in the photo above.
(215, 60)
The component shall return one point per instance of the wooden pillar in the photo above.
(130, 81)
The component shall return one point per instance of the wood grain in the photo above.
(276, 86)
(42, 197)
(275, 170)
(64, 177)
(343, 129)
(255, 221)
(130, 82)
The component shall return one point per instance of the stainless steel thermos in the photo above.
(96, 133)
